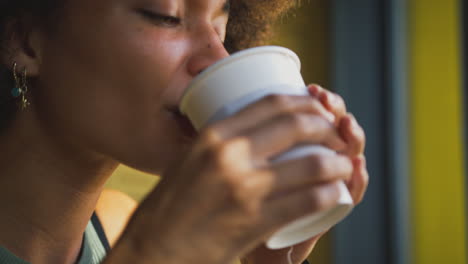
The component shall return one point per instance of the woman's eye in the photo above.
(159, 19)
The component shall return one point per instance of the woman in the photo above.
(87, 85)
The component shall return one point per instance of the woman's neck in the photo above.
(49, 193)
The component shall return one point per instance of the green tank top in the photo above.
(93, 250)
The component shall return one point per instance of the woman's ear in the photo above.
(23, 46)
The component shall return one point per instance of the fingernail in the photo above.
(333, 99)
(313, 90)
(356, 130)
(319, 87)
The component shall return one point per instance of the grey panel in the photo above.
(398, 118)
(360, 77)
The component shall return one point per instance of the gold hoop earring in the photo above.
(21, 86)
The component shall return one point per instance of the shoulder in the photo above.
(114, 209)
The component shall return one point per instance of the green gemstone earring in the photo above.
(16, 92)
(21, 86)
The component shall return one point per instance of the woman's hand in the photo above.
(353, 135)
(225, 198)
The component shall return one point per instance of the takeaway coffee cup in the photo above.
(242, 79)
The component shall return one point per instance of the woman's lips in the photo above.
(183, 122)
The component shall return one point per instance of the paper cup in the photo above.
(237, 81)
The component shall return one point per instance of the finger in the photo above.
(284, 209)
(250, 191)
(332, 101)
(269, 107)
(314, 90)
(283, 132)
(353, 135)
(315, 169)
(360, 179)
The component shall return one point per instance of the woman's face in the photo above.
(113, 72)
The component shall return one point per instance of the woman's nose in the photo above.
(207, 53)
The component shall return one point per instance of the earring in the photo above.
(21, 86)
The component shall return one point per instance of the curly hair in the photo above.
(249, 25)
(250, 21)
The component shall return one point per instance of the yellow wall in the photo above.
(437, 145)
(135, 183)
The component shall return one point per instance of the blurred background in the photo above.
(400, 65)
